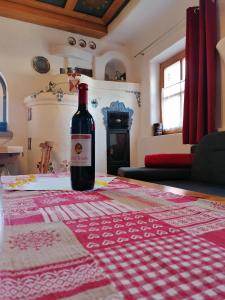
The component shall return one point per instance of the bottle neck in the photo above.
(82, 107)
(83, 99)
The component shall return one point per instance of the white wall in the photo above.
(151, 99)
(19, 43)
(147, 72)
(167, 34)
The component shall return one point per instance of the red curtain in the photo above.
(200, 81)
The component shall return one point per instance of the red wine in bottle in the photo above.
(82, 168)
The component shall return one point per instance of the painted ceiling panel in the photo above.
(95, 8)
(60, 3)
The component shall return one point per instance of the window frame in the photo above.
(177, 57)
(3, 123)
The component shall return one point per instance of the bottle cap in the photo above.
(83, 86)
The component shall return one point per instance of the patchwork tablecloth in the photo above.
(123, 241)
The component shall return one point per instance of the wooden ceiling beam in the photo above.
(50, 19)
(114, 7)
(67, 11)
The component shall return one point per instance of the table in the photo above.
(127, 240)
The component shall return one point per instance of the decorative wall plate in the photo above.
(92, 45)
(41, 64)
(82, 43)
(71, 40)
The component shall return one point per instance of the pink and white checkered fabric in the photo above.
(175, 267)
(120, 242)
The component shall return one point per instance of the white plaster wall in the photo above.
(19, 43)
(151, 99)
(147, 73)
(165, 35)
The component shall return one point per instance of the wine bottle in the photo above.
(82, 168)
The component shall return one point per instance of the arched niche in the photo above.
(115, 70)
(113, 60)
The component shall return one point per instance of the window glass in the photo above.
(183, 68)
(172, 106)
(172, 74)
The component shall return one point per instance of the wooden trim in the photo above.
(172, 131)
(57, 10)
(50, 19)
(115, 6)
(70, 4)
(173, 59)
(161, 84)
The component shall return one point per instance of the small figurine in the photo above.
(51, 87)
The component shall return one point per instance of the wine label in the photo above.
(81, 150)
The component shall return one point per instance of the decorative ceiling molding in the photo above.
(87, 17)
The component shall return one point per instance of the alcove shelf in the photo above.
(115, 70)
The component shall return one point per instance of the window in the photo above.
(3, 103)
(172, 75)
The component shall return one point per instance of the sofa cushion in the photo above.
(209, 160)
(168, 160)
